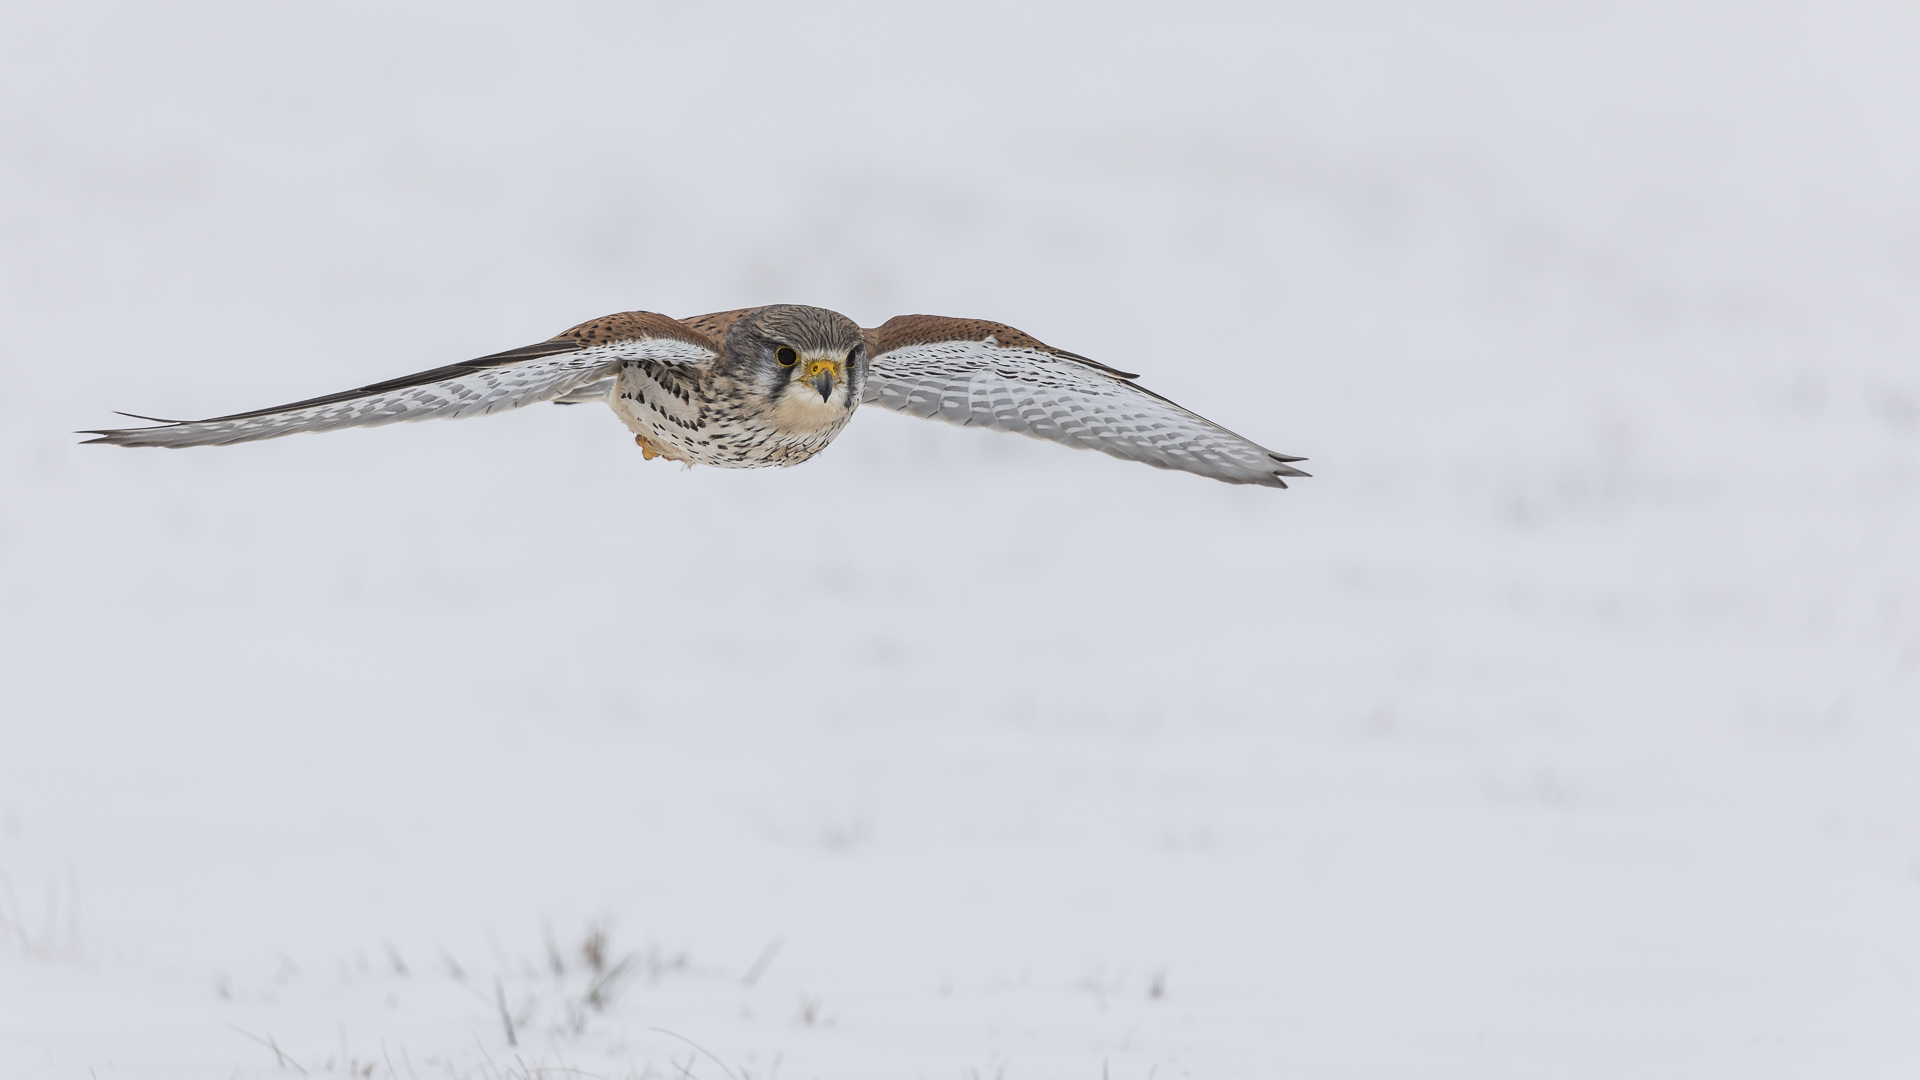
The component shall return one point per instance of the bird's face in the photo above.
(807, 364)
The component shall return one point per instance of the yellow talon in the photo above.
(647, 452)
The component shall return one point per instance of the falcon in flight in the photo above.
(773, 386)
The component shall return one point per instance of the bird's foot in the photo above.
(646, 448)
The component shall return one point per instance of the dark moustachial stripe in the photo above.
(706, 390)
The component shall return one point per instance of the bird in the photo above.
(772, 386)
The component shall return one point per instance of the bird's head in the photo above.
(807, 364)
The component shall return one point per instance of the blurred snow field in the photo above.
(1565, 724)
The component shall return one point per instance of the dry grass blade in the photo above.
(279, 1055)
(606, 985)
(702, 1049)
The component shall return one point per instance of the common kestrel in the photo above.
(773, 386)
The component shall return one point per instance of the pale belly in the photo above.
(684, 423)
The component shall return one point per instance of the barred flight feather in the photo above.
(1046, 394)
(459, 391)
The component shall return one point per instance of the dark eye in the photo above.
(851, 353)
(786, 356)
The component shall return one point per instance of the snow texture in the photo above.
(1564, 724)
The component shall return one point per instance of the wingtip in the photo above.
(125, 436)
(1284, 469)
(106, 438)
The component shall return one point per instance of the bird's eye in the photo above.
(786, 356)
(851, 353)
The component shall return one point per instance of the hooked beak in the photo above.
(821, 374)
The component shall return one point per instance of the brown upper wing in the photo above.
(716, 325)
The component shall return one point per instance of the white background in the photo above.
(1565, 724)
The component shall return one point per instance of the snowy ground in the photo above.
(1567, 723)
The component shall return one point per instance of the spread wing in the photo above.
(983, 374)
(577, 360)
